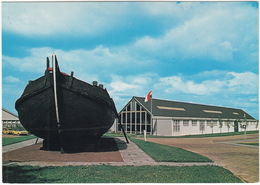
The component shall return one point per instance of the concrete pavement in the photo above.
(131, 154)
(241, 160)
(19, 145)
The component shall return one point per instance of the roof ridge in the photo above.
(9, 112)
(191, 103)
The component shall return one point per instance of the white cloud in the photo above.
(234, 83)
(34, 63)
(131, 85)
(122, 88)
(194, 30)
(243, 83)
(227, 91)
(176, 83)
(119, 86)
(212, 30)
(11, 79)
(85, 63)
(46, 18)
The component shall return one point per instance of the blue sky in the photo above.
(201, 52)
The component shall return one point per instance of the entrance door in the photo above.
(236, 127)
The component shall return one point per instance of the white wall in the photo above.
(165, 127)
(8, 116)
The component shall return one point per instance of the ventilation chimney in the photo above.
(101, 86)
(95, 83)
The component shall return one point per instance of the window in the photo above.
(143, 117)
(171, 108)
(138, 117)
(148, 118)
(194, 122)
(133, 105)
(225, 123)
(138, 108)
(209, 123)
(133, 117)
(213, 111)
(176, 125)
(128, 118)
(124, 118)
(185, 122)
(202, 125)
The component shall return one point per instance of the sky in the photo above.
(199, 52)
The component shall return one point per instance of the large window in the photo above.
(135, 119)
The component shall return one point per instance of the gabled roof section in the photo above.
(7, 115)
(167, 108)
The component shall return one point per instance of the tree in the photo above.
(240, 123)
(220, 124)
(211, 125)
(245, 121)
(228, 124)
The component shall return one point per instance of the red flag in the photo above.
(148, 96)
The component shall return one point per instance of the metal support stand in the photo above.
(36, 141)
(124, 132)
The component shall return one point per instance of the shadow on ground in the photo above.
(106, 151)
(23, 174)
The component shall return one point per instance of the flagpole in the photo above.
(151, 115)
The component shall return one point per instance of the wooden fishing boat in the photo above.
(69, 114)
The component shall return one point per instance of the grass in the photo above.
(163, 153)
(208, 135)
(114, 134)
(186, 136)
(254, 144)
(118, 174)
(9, 141)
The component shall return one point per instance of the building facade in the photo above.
(9, 119)
(172, 118)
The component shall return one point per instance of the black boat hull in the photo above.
(85, 112)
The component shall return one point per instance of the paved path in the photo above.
(19, 145)
(241, 160)
(131, 154)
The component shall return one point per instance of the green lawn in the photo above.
(118, 174)
(187, 136)
(9, 141)
(254, 144)
(114, 134)
(163, 153)
(208, 135)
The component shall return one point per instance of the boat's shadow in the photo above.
(106, 144)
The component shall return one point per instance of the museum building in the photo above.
(173, 118)
(9, 119)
